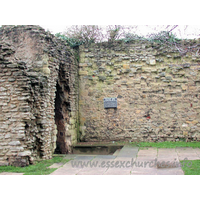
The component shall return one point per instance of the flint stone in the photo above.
(16, 148)
(152, 62)
(7, 136)
(2, 89)
(12, 65)
(11, 79)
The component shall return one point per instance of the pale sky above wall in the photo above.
(182, 31)
(56, 15)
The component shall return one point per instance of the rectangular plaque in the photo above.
(110, 102)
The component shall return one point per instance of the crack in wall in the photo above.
(62, 109)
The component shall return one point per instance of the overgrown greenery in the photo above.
(191, 167)
(39, 168)
(72, 42)
(87, 34)
(161, 37)
(84, 34)
(132, 37)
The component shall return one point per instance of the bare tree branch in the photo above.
(175, 26)
(160, 34)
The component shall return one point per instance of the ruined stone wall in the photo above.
(157, 92)
(38, 73)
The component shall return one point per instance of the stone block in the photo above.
(183, 87)
(14, 143)
(2, 89)
(126, 66)
(20, 136)
(16, 149)
(25, 153)
(83, 73)
(83, 64)
(195, 122)
(146, 70)
(72, 121)
(151, 61)
(12, 65)
(185, 133)
(7, 136)
(33, 74)
(4, 163)
(102, 78)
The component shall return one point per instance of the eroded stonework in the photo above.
(157, 92)
(33, 64)
(49, 101)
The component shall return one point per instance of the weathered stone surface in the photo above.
(36, 69)
(14, 143)
(4, 163)
(157, 91)
(157, 94)
(25, 153)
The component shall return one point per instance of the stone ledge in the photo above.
(4, 163)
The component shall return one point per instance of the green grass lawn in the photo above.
(39, 168)
(191, 167)
(167, 144)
